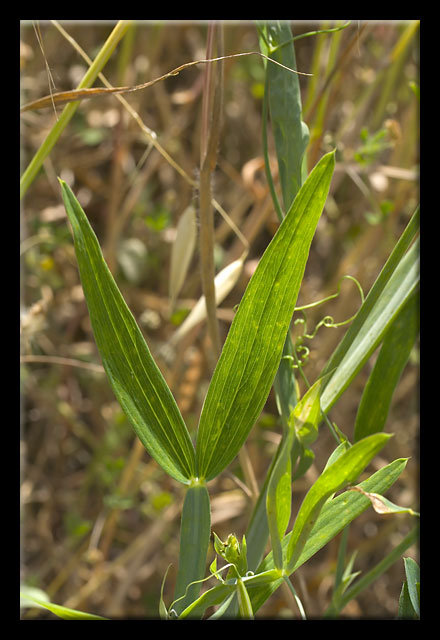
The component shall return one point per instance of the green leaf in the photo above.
(163, 613)
(244, 602)
(393, 288)
(209, 598)
(303, 426)
(65, 613)
(396, 348)
(343, 471)
(134, 376)
(279, 498)
(305, 460)
(412, 572)
(306, 415)
(282, 94)
(194, 541)
(257, 531)
(251, 354)
(406, 610)
(291, 134)
(334, 516)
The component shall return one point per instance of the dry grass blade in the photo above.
(182, 251)
(64, 97)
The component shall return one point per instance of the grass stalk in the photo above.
(211, 112)
(69, 110)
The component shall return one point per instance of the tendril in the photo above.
(301, 351)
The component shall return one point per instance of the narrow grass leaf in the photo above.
(62, 612)
(46, 146)
(163, 613)
(134, 376)
(394, 353)
(343, 471)
(194, 541)
(182, 251)
(251, 354)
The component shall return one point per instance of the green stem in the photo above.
(194, 540)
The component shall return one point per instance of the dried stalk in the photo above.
(211, 114)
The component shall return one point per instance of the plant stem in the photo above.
(211, 111)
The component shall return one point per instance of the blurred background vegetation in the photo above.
(100, 519)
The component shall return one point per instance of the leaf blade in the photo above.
(291, 134)
(251, 354)
(345, 469)
(394, 353)
(356, 346)
(335, 515)
(134, 376)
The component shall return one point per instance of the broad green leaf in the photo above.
(343, 471)
(194, 541)
(223, 608)
(134, 376)
(251, 354)
(335, 516)
(62, 612)
(395, 284)
(394, 353)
